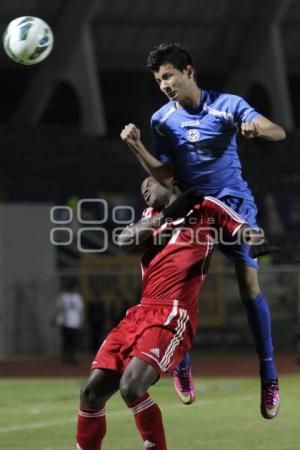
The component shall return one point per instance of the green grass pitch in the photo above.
(40, 414)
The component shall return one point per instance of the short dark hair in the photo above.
(174, 54)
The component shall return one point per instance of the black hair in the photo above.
(174, 54)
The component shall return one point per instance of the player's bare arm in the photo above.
(163, 173)
(263, 128)
(136, 233)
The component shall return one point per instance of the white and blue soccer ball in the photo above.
(28, 40)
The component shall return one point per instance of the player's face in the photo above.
(176, 85)
(155, 194)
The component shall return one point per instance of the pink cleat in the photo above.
(183, 382)
(270, 400)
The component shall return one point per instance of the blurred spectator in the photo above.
(69, 318)
(96, 318)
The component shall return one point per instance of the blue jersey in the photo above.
(201, 145)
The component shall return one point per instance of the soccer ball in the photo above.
(28, 40)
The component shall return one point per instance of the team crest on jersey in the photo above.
(193, 135)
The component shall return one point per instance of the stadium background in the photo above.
(59, 136)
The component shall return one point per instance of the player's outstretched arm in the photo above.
(135, 234)
(182, 205)
(264, 128)
(259, 246)
(263, 249)
(163, 173)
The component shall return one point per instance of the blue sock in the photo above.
(185, 362)
(259, 320)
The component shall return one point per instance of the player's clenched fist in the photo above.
(250, 129)
(130, 134)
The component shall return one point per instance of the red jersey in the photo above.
(174, 267)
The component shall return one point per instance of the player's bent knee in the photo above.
(131, 390)
(248, 282)
(249, 291)
(249, 296)
(88, 398)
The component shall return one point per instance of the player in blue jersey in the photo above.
(195, 142)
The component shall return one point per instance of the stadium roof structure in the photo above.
(217, 32)
(246, 40)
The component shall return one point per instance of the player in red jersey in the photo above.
(178, 234)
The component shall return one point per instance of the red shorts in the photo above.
(159, 334)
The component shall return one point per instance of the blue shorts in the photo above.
(246, 208)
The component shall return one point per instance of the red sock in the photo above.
(148, 420)
(91, 429)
